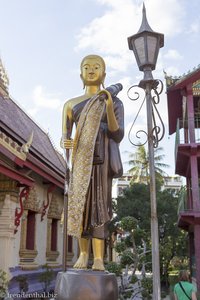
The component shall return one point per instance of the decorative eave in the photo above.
(16, 153)
(19, 151)
(15, 175)
(175, 82)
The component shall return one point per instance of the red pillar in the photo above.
(190, 109)
(197, 253)
(194, 182)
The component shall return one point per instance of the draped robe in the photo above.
(96, 162)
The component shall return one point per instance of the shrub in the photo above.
(114, 267)
(3, 284)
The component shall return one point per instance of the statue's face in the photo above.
(92, 71)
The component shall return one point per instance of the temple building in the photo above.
(183, 95)
(32, 176)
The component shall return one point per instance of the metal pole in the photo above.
(65, 242)
(154, 219)
(65, 237)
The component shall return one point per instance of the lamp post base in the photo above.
(86, 285)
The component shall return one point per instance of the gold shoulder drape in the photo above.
(82, 161)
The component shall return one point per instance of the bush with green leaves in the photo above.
(128, 223)
(3, 284)
(128, 258)
(114, 267)
(147, 285)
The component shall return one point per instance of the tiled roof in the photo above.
(173, 81)
(19, 126)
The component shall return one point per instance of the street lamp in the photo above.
(145, 45)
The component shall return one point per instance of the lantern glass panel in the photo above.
(140, 48)
(151, 45)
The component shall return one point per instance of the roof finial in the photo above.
(145, 25)
(4, 80)
(26, 146)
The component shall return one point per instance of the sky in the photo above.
(42, 43)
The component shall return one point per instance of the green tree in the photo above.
(172, 239)
(135, 202)
(130, 256)
(139, 163)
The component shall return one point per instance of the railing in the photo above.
(185, 202)
(182, 203)
(183, 134)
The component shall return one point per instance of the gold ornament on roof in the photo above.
(26, 146)
(4, 80)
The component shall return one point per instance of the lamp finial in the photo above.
(145, 25)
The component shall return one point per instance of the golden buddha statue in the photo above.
(95, 160)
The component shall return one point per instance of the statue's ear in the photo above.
(82, 81)
(103, 79)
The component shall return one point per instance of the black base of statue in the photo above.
(86, 285)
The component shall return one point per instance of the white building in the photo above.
(170, 182)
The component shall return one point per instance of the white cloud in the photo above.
(122, 18)
(32, 111)
(173, 54)
(194, 27)
(172, 71)
(43, 99)
(166, 16)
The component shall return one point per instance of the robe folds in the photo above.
(96, 161)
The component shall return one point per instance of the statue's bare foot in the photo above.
(98, 265)
(82, 261)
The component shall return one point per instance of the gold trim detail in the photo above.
(196, 88)
(14, 147)
(86, 133)
(55, 210)
(8, 186)
(52, 256)
(32, 203)
(11, 145)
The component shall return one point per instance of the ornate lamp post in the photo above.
(145, 45)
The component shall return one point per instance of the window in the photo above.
(30, 234)
(54, 226)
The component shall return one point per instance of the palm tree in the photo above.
(139, 162)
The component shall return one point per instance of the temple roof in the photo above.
(17, 125)
(182, 81)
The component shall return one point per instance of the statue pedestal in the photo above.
(86, 285)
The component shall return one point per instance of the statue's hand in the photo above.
(67, 143)
(108, 99)
(111, 118)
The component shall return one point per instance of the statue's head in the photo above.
(93, 70)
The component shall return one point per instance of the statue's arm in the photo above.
(118, 111)
(67, 124)
(115, 117)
